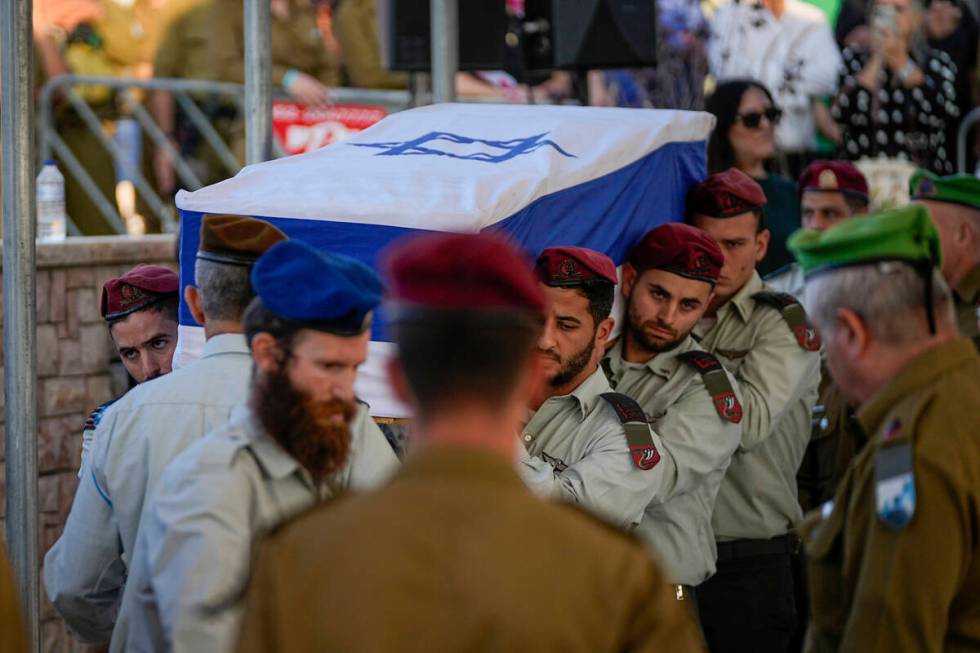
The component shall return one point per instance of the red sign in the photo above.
(303, 129)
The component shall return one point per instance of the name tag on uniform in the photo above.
(895, 485)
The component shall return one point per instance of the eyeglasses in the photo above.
(753, 119)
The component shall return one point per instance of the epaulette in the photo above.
(794, 315)
(96, 416)
(638, 435)
(717, 383)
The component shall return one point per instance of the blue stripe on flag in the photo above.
(608, 214)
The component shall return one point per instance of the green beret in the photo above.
(956, 189)
(905, 234)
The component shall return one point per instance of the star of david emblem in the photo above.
(487, 150)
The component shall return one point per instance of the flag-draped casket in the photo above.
(544, 175)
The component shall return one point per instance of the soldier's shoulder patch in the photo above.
(794, 315)
(717, 384)
(639, 435)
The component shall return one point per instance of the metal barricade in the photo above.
(186, 94)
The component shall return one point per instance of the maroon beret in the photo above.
(139, 288)
(725, 195)
(681, 249)
(840, 176)
(574, 266)
(463, 271)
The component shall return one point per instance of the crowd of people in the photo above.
(790, 81)
(726, 473)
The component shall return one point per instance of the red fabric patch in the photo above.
(645, 457)
(807, 336)
(729, 407)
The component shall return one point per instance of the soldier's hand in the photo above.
(309, 91)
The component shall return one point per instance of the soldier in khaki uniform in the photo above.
(300, 439)
(584, 443)
(689, 398)
(356, 26)
(954, 204)
(895, 558)
(763, 338)
(456, 554)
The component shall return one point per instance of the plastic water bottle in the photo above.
(52, 226)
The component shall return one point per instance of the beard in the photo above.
(571, 367)
(636, 330)
(308, 430)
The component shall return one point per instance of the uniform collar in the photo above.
(225, 343)
(457, 462)
(271, 457)
(969, 289)
(588, 392)
(919, 373)
(741, 304)
(663, 364)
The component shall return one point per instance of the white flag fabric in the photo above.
(592, 177)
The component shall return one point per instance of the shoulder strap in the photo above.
(716, 382)
(794, 315)
(96, 416)
(638, 436)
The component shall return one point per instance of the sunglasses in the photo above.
(753, 119)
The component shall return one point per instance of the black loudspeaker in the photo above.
(403, 31)
(553, 34)
(594, 33)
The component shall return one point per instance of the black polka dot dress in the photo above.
(898, 122)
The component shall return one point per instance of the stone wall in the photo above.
(77, 370)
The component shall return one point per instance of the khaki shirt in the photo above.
(779, 381)
(915, 588)
(576, 450)
(789, 279)
(682, 411)
(455, 554)
(85, 571)
(184, 52)
(967, 298)
(195, 546)
(357, 31)
(12, 640)
(296, 43)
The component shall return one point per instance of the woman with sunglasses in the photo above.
(744, 138)
(898, 96)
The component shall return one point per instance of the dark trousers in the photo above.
(749, 605)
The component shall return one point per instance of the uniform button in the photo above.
(527, 437)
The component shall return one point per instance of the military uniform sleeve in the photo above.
(84, 571)
(910, 576)
(606, 481)
(775, 374)
(698, 439)
(372, 460)
(261, 630)
(196, 537)
(356, 31)
(227, 45)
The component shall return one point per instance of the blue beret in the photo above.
(320, 290)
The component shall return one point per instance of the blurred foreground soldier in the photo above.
(585, 443)
(763, 338)
(302, 438)
(140, 309)
(895, 558)
(141, 433)
(11, 627)
(470, 559)
(689, 398)
(954, 204)
(830, 192)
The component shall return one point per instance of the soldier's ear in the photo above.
(603, 331)
(266, 352)
(629, 278)
(193, 298)
(761, 245)
(852, 333)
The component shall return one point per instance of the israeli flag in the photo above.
(545, 175)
